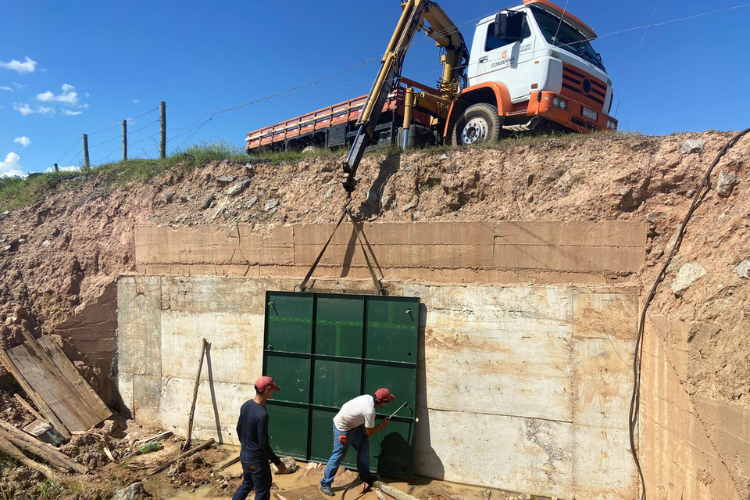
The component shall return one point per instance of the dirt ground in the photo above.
(61, 253)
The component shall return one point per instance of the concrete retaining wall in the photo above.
(521, 386)
(433, 252)
(692, 447)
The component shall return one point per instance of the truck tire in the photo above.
(478, 124)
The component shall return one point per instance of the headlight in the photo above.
(559, 103)
(611, 124)
(589, 113)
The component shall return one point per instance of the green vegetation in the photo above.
(49, 489)
(16, 192)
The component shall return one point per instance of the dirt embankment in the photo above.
(58, 254)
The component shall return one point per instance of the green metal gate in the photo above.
(325, 349)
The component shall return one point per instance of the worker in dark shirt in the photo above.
(252, 430)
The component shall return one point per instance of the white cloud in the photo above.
(11, 167)
(45, 97)
(19, 86)
(23, 108)
(136, 101)
(65, 169)
(23, 141)
(42, 110)
(131, 121)
(28, 66)
(6, 88)
(68, 96)
(68, 112)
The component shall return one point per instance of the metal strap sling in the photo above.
(380, 289)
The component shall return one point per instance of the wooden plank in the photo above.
(74, 377)
(48, 385)
(38, 400)
(29, 408)
(31, 444)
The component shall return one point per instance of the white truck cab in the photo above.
(540, 53)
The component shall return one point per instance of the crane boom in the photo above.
(446, 35)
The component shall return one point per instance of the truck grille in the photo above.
(584, 88)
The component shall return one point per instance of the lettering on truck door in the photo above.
(502, 61)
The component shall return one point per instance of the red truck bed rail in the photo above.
(343, 112)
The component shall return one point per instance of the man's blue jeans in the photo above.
(257, 477)
(354, 437)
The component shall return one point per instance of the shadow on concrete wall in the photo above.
(427, 462)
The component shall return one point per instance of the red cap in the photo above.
(264, 383)
(384, 396)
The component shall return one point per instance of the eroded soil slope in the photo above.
(60, 253)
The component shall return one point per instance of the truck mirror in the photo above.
(501, 25)
(509, 26)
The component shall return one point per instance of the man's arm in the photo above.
(371, 431)
(263, 441)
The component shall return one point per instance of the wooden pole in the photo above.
(124, 140)
(57, 169)
(160, 468)
(163, 123)
(86, 163)
(36, 447)
(186, 445)
(7, 448)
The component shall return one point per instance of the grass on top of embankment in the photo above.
(17, 192)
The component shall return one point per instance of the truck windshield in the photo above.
(566, 37)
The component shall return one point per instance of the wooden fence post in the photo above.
(124, 140)
(57, 169)
(86, 163)
(163, 122)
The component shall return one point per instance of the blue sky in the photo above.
(68, 68)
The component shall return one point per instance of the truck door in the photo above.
(499, 60)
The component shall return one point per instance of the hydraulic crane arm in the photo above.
(446, 35)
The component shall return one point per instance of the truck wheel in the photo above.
(478, 124)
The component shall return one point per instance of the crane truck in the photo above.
(529, 65)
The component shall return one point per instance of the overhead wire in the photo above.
(635, 58)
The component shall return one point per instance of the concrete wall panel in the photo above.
(682, 456)
(591, 234)
(526, 455)
(500, 372)
(236, 346)
(139, 325)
